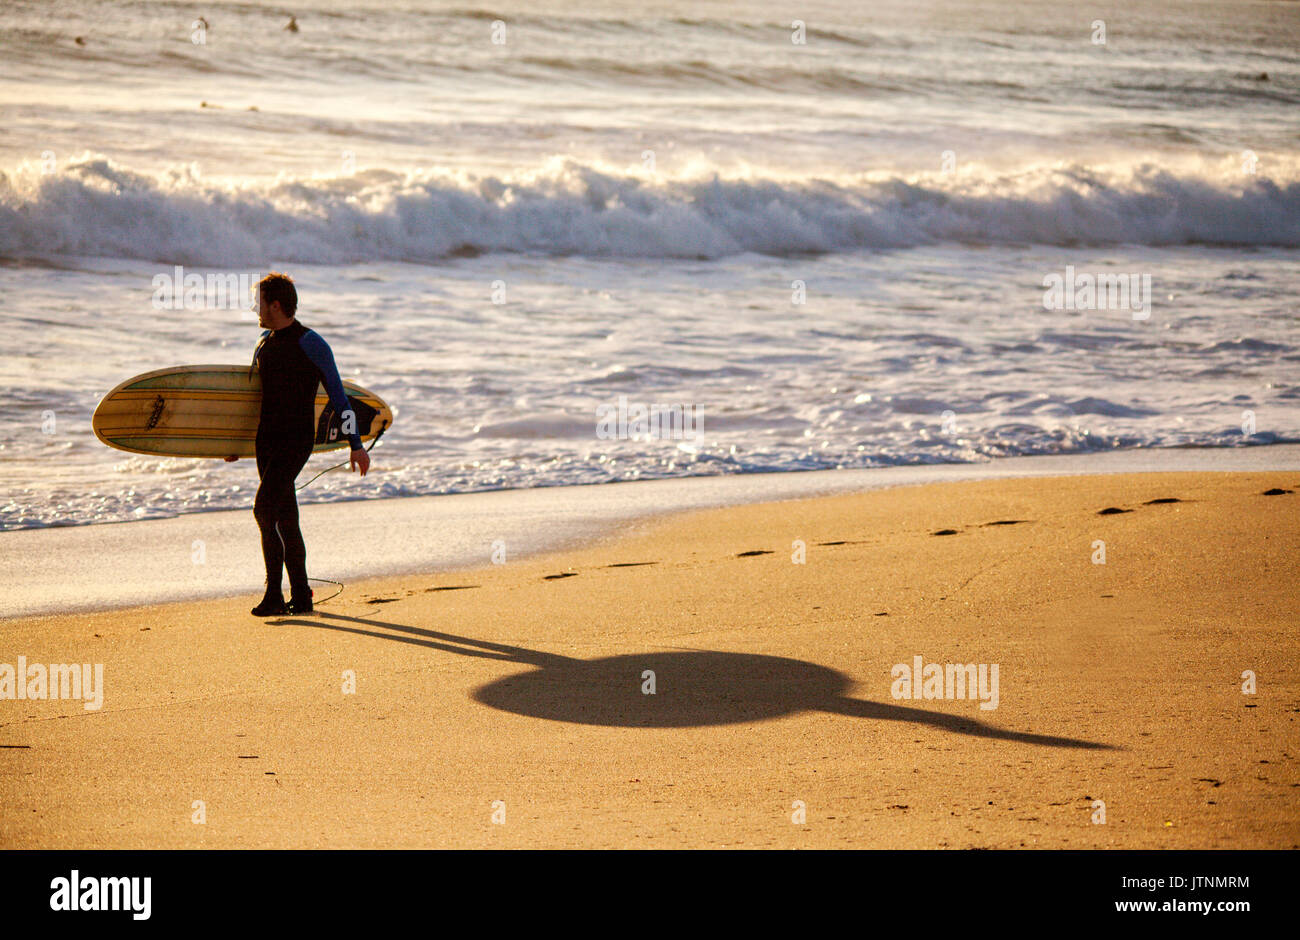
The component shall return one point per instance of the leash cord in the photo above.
(327, 581)
(345, 462)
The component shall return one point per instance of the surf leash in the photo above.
(346, 462)
(332, 596)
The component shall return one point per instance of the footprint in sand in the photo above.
(1115, 510)
(755, 552)
(983, 525)
(452, 587)
(563, 574)
(1275, 491)
(632, 564)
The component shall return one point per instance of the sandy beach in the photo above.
(507, 705)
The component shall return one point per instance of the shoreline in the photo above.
(217, 554)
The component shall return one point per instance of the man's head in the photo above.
(277, 301)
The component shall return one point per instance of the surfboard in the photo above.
(212, 411)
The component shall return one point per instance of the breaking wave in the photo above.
(95, 207)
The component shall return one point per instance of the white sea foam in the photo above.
(95, 207)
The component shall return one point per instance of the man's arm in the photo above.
(322, 358)
(318, 351)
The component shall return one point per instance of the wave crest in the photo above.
(95, 207)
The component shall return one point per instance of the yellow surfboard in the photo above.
(210, 411)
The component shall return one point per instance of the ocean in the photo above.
(839, 235)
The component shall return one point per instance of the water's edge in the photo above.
(216, 554)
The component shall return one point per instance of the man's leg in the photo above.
(295, 549)
(266, 512)
(274, 490)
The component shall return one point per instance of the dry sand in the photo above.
(1118, 682)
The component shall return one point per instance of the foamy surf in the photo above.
(96, 207)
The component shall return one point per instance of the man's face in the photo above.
(264, 311)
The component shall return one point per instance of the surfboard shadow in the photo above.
(692, 688)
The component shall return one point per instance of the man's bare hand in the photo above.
(360, 460)
(231, 459)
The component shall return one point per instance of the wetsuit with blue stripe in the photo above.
(292, 361)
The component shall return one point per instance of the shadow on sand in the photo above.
(693, 688)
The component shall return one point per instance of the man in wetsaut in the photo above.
(292, 360)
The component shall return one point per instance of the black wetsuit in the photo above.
(292, 362)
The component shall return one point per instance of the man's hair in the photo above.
(276, 286)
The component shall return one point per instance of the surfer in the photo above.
(292, 360)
